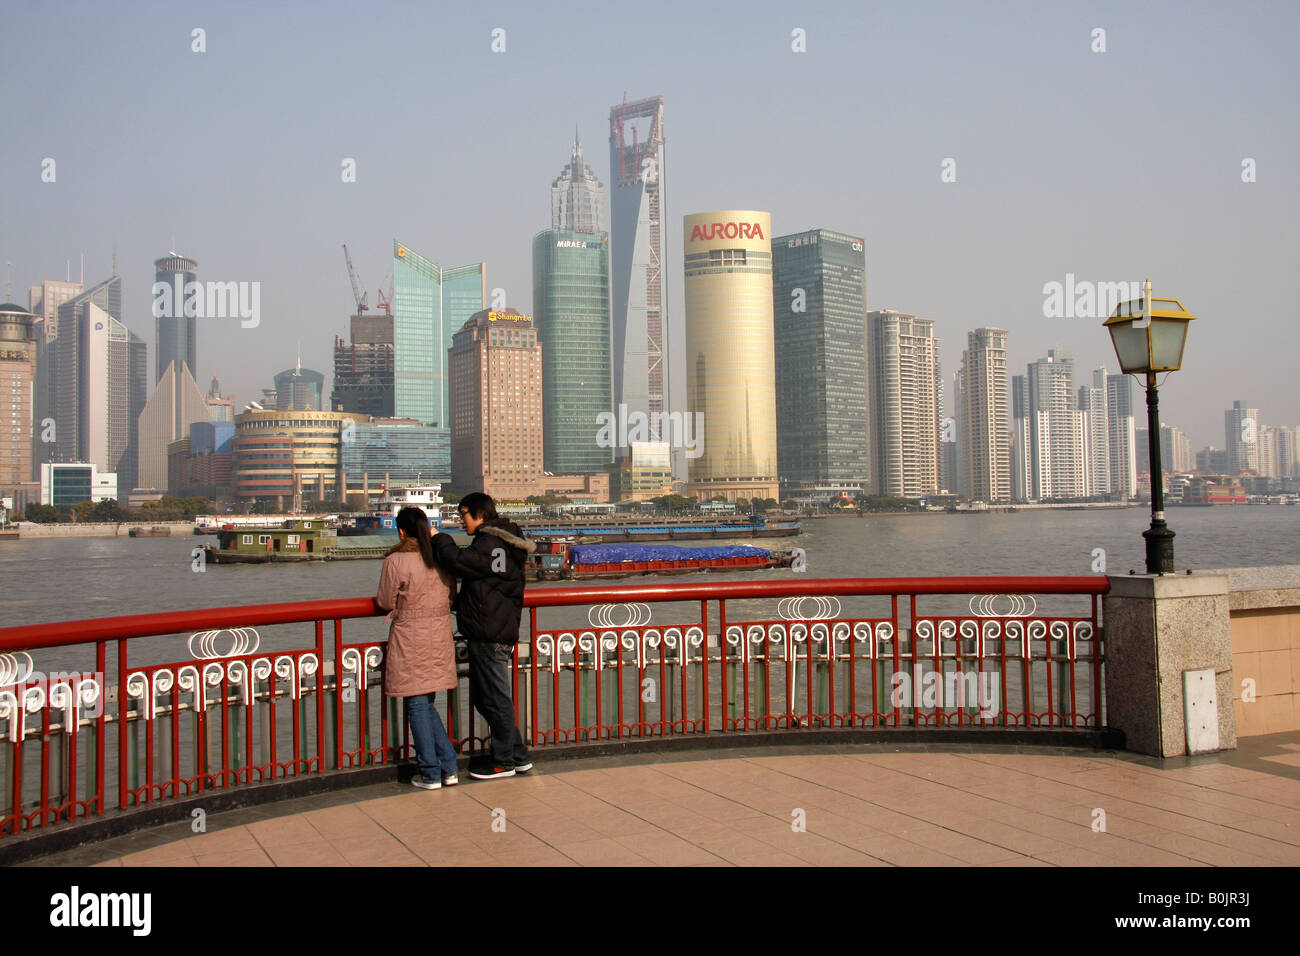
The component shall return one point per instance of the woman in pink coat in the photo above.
(421, 658)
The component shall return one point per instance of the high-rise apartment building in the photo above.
(1021, 455)
(1288, 454)
(429, 304)
(495, 371)
(819, 308)
(905, 389)
(363, 368)
(1122, 425)
(577, 196)
(730, 365)
(571, 317)
(17, 388)
(1096, 435)
(982, 455)
(1056, 428)
(177, 332)
(1241, 438)
(638, 297)
(1268, 451)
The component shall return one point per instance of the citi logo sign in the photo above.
(857, 245)
(728, 230)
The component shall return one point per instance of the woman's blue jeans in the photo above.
(433, 750)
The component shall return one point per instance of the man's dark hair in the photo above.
(480, 506)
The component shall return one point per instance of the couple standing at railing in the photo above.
(417, 585)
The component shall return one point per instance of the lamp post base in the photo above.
(1160, 548)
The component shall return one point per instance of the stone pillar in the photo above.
(1158, 628)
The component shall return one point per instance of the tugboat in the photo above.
(383, 520)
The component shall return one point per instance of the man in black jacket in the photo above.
(488, 610)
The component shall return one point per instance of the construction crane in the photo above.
(386, 301)
(358, 293)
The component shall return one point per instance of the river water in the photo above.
(72, 578)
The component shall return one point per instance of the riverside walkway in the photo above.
(872, 805)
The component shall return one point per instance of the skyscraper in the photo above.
(1241, 436)
(1056, 428)
(299, 389)
(177, 339)
(639, 340)
(571, 316)
(905, 390)
(100, 372)
(730, 365)
(429, 304)
(1022, 455)
(496, 402)
(176, 403)
(819, 307)
(982, 425)
(17, 379)
(1096, 434)
(44, 301)
(1123, 439)
(577, 196)
(363, 368)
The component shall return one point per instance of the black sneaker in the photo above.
(490, 772)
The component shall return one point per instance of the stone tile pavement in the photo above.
(824, 806)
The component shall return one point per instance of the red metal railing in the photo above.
(235, 714)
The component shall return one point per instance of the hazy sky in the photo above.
(1112, 165)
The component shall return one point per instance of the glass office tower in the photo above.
(819, 308)
(571, 315)
(177, 333)
(429, 305)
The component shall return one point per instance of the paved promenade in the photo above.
(858, 806)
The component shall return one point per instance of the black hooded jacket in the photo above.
(491, 573)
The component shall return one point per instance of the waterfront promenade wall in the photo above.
(1264, 614)
(32, 529)
(1180, 647)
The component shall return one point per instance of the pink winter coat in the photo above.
(421, 657)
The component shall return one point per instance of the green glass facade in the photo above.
(819, 311)
(571, 314)
(429, 304)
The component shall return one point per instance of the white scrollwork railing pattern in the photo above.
(243, 641)
(15, 668)
(359, 664)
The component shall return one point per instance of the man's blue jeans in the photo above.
(489, 692)
(433, 750)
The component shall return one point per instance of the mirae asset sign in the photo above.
(727, 230)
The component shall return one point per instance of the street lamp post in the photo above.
(1149, 335)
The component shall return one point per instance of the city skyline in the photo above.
(278, 217)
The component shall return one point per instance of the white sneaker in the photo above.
(450, 780)
(418, 781)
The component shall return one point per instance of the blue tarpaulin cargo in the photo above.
(618, 553)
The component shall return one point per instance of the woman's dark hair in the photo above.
(480, 506)
(416, 525)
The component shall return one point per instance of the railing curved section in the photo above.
(219, 707)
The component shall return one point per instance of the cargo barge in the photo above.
(624, 530)
(558, 560)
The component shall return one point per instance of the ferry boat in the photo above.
(383, 520)
(292, 541)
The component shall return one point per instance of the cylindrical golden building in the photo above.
(730, 364)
